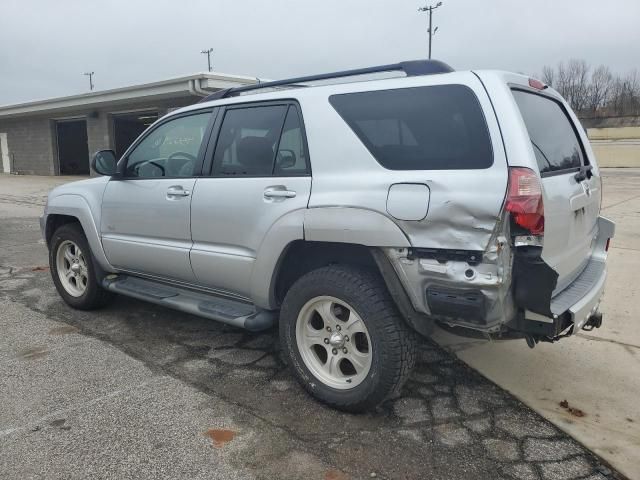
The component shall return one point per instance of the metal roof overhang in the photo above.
(198, 85)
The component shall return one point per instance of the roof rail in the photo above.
(411, 68)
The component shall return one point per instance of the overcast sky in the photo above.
(46, 45)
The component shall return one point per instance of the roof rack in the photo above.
(411, 68)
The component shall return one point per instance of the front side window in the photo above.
(171, 150)
(552, 135)
(439, 127)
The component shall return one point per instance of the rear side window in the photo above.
(261, 141)
(552, 134)
(248, 140)
(440, 127)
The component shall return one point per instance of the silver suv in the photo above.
(353, 214)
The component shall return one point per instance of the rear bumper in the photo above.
(580, 300)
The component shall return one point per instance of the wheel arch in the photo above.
(302, 256)
(71, 208)
(332, 225)
(54, 222)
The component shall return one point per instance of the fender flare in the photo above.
(76, 206)
(282, 233)
(324, 224)
(353, 225)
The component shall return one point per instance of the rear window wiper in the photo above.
(584, 173)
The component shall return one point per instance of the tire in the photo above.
(87, 294)
(389, 348)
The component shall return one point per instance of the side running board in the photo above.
(232, 312)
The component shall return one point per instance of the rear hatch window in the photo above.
(554, 139)
(571, 204)
(439, 127)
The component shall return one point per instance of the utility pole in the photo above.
(90, 75)
(208, 53)
(432, 31)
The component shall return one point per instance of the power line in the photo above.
(432, 31)
(208, 53)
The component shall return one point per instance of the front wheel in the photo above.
(73, 271)
(344, 337)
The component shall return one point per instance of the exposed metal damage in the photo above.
(506, 291)
(460, 288)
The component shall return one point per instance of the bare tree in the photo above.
(595, 92)
(577, 84)
(626, 99)
(599, 88)
(549, 75)
(571, 80)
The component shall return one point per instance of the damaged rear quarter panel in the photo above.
(464, 204)
(463, 211)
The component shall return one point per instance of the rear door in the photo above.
(259, 174)
(570, 182)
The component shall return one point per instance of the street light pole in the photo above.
(90, 75)
(208, 53)
(432, 31)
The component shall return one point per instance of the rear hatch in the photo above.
(571, 185)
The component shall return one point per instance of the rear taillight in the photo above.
(606, 247)
(524, 200)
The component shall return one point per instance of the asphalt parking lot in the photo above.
(137, 391)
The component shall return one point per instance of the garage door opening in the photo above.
(73, 149)
(127, 127)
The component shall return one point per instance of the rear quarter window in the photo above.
(439, 127)
(553, 136)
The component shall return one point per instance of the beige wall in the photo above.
(616, 147)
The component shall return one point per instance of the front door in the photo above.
(145, 223)
(260, 175)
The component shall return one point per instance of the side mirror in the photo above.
(286, 159)
(104, 163)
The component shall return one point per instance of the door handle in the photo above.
(278, 193)
(177, 192)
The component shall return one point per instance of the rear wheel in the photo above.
(344, 338)
(73, 271)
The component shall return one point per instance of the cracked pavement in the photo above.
(138, 391)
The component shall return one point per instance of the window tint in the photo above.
(248, 140)
(426, 128)
(552, 135)
(292, 157)
(171, 150)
